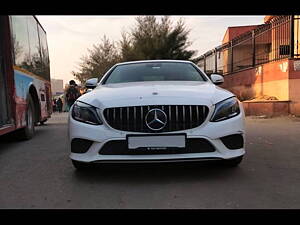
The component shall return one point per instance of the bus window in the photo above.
(20, 41)
(34, 46)
(44, 53)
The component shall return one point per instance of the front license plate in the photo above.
(150, 141)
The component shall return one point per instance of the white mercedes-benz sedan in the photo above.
(156, 111)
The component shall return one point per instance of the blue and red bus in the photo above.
(25, 88)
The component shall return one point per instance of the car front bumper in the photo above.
(210, 131)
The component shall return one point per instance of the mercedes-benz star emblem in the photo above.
(156, 119)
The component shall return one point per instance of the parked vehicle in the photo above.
(156, 111)
(25, 89)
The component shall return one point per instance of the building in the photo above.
(57, 87)
(261, 65)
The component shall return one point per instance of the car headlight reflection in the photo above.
(86, 113)
(226, 109)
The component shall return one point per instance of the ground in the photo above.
(38, 174)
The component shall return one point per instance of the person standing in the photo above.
(54, 105)
(72, 93)
(59, 104)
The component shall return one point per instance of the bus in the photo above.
(25, 85)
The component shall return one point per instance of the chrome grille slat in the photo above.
(142, 119)
(132, 118)
(106, 113)
(127, 111)
(121, 115)
(114, 115)
(197, 114)
(170, 117)
(176, 124)
(183, 116)
(191, 119)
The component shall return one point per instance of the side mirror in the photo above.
(91, 83)
(217, 79)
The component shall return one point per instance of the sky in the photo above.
(70, 37)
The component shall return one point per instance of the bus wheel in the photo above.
(28, 132)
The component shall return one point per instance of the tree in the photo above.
(100, 58)
(149, 39)
(153, 40)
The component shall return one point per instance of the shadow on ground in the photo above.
(148, 173)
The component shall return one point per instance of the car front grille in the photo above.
(178, 117)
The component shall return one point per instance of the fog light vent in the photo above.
(234, 141)
(79, 145)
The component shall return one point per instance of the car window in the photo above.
(162, 71)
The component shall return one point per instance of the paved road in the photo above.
(39, 174)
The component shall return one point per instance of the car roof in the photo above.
(153, 61)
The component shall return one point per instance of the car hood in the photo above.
(155, 93)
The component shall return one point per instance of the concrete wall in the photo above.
(294, 86)
(266, 108)
(267, 79)
(280, 79)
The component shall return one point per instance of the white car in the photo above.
(156, 111)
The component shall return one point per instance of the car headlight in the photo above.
(226, 109)
(86, 113)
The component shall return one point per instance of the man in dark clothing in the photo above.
(59, 104)
(72, 93)
(54, 105)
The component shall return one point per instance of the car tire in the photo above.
(27, 132)
(80, 165)
(233, 162)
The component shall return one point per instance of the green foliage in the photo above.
(149, 39)
(153, 40)
(100, 59)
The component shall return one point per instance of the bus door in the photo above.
(4, 115)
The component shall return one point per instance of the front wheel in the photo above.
(28, 132)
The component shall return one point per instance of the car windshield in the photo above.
(158, 71)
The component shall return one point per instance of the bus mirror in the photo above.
(91, 83)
